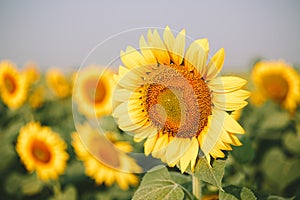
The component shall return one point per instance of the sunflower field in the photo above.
(164, 125)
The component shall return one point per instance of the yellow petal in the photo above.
(214, 131)
(146, 51)
(196, 55)
(176, 148)
(159, 48)
(215, 65)
(231, 97)
(160, 146)
(132, 58)
(232, 126)
(169, 38)
(189, 156)
(149, 144)
(226, 84)
(150, 131)
(177, 51)
(235, 140)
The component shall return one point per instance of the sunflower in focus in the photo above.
(175, 100)
(13, 85)
(93, 91)
(31, 72)
(104, 157)
(58, 83)
(277, 81)
(42, 150)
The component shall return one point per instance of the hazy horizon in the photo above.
(63, 33)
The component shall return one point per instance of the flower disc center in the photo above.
(178, 101)
(41, 152)
(10, 83)
(95, 90)
(276, 87)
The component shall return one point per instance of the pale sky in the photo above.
(62, 33)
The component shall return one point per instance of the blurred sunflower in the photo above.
(93, 91)
(176, 101)
(42, 150)
(13, 85)
(36, 98)
(31, 72)
(58, 83)
(277, 81)
(105, 160)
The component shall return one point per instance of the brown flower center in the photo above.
(178, 101)
(276, 87)
(40, 151)
(95, 90)
(10, 83)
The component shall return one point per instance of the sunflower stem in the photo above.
(197, 187)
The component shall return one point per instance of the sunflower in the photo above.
(36, 98)
(277, 81)
(31, 72)
(93, 91)
(13, 85)
(58, 83)
(105, 160)
(176, 101)
(42, 150)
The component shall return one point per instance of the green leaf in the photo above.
(31, 185)
(69, 193)
(226, 196)
(275, 120)
(212, 175)
(180, 178)
(157, 184)
(273, 197)
(247, 194)
(232, 192)
(291, 142)
(244, 153)
(280, 170)
(24, 184)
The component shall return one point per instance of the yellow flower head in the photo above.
(105, 160)
(277, 81)
(36, 98)
(31, 72)
(174, 99)
(93, 91)
(42, 150)
(58, 83)
(13, 85)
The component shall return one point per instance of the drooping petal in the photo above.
(176, 148)
(160, 147)
(232, 126)
(149, 144)
(214, 131)
(189, 157)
